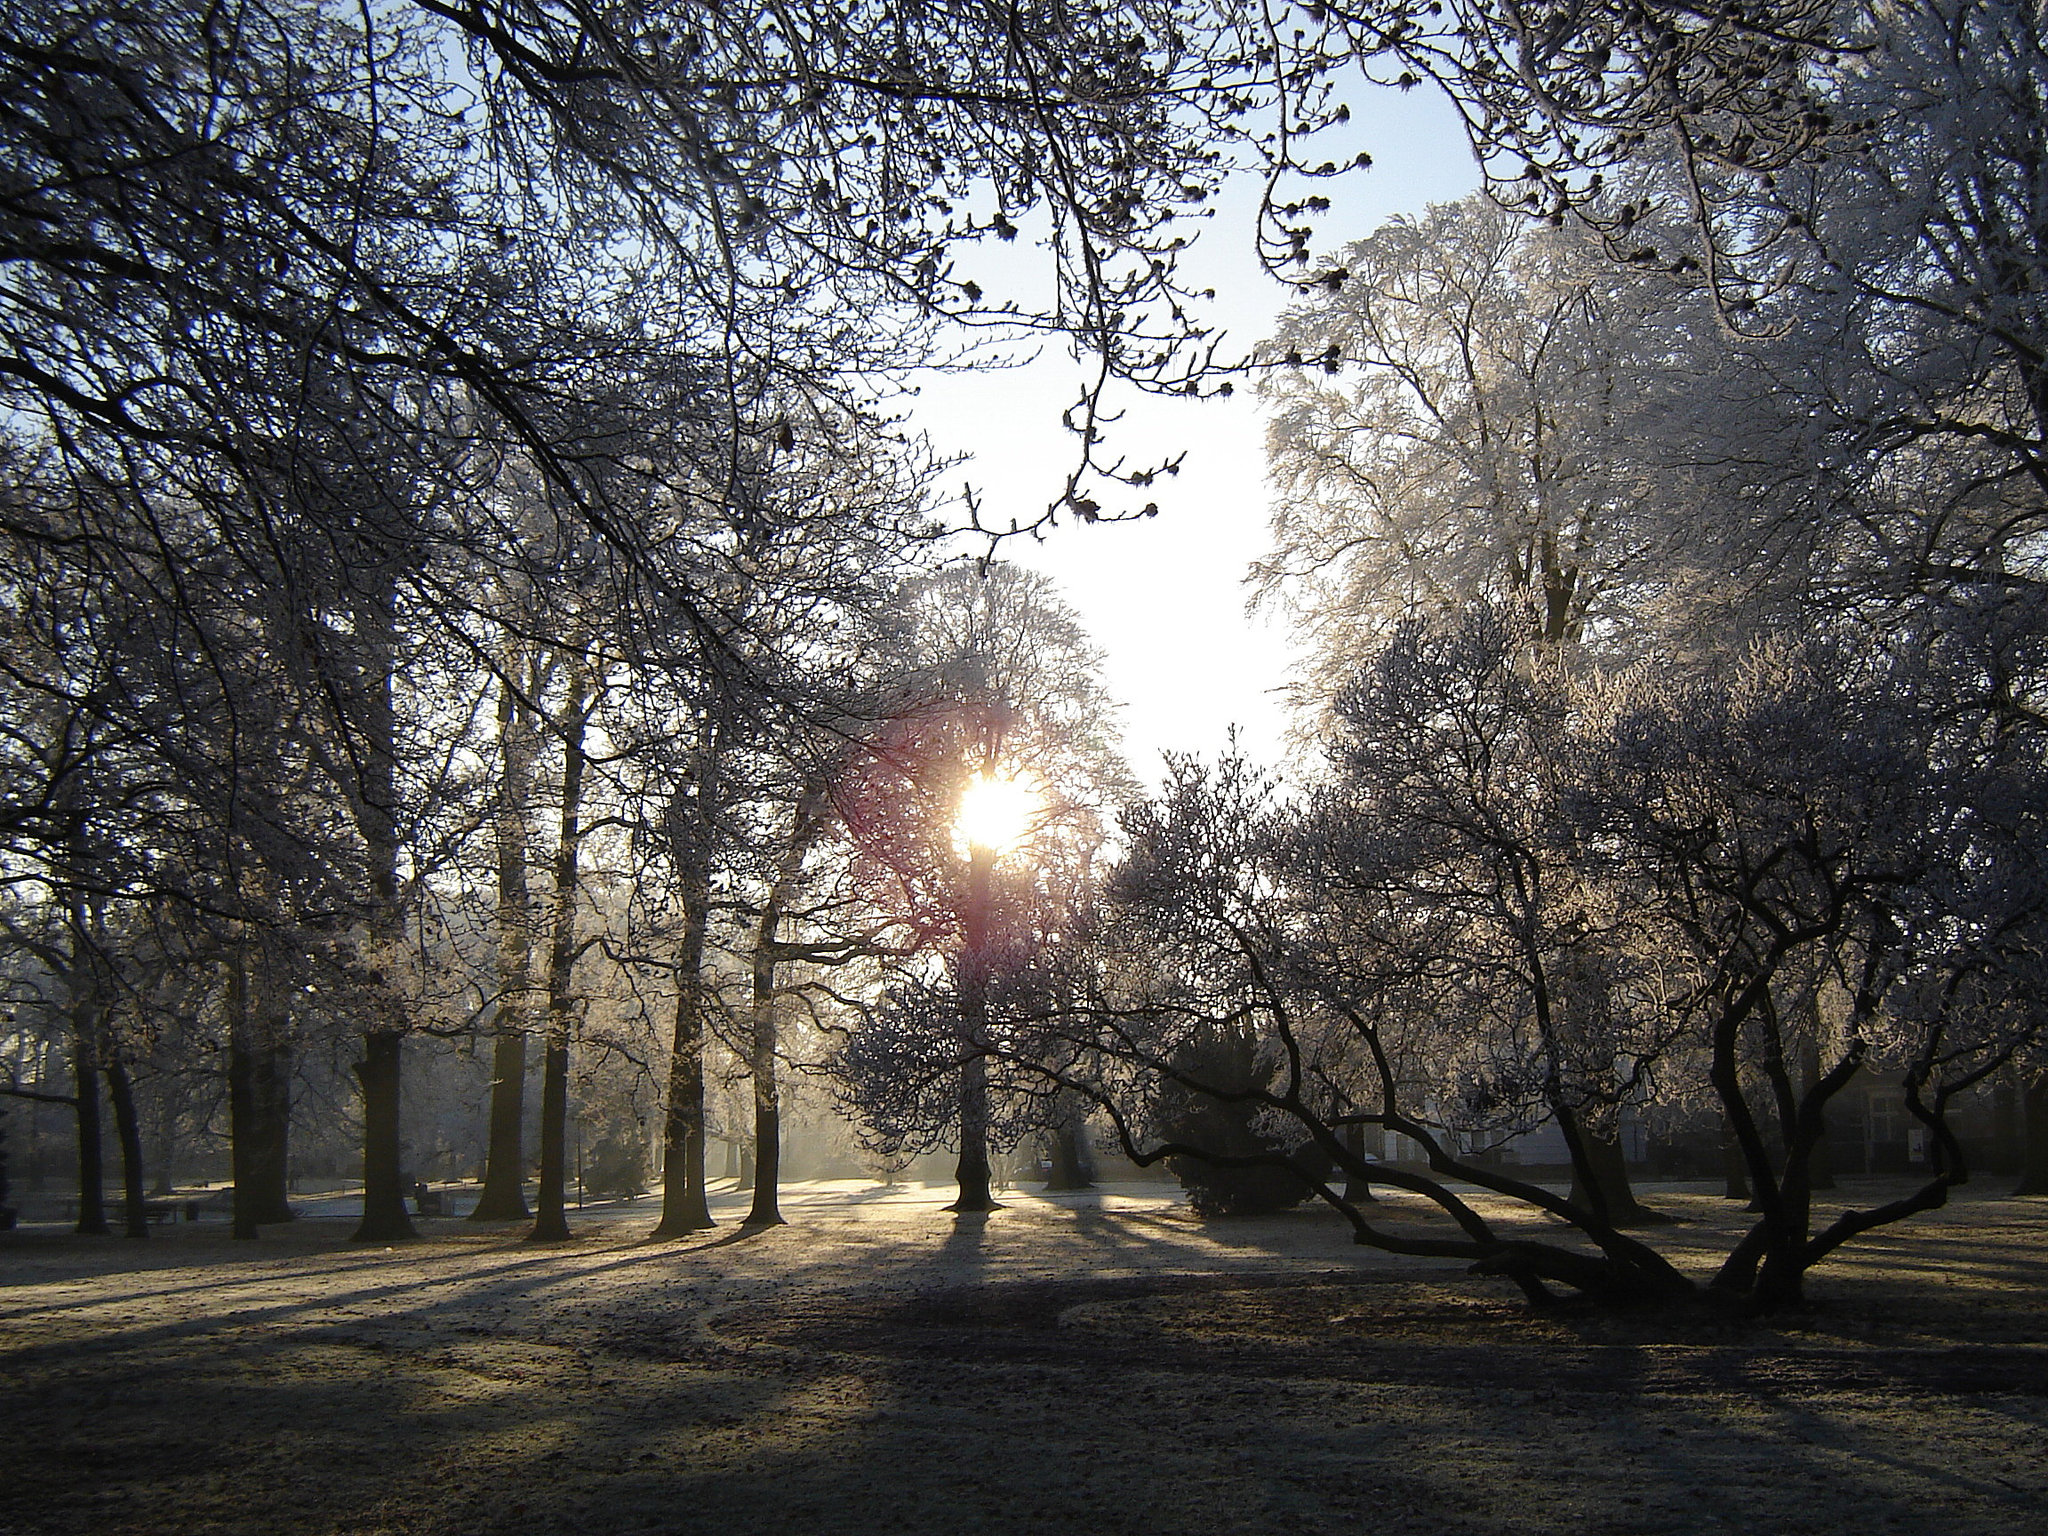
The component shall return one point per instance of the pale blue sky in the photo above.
(1165, 597)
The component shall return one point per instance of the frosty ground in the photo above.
(1098, 1363)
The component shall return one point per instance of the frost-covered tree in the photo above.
(1470, 418)
(1000, 705)
(1468, 934)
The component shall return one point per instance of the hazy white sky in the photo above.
(1165, 597)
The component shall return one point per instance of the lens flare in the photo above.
(997, 812)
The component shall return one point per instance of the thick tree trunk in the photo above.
(85, 1075)
(1610, 1171)
(1356, 1189)
(551, 1221)
(684, 1206)
(1072, 1168)
(2034, 1150)
(385, 1218)
(550, 1216)
(504, 1192)
(1820, 1162)
(6, 1211)
(269, 1164)
(375, 807)
(259, 1101)
(690, 832)
(128, 1129)
(972, 1173)
(766, 1210)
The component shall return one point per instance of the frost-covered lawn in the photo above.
(1096, 1363)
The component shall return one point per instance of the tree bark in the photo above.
(690, 832)
(550, 1214)
(1734, 1168)
(972, 1173)
(685, 1208)
(259, 1100)
(764, 1044)
(551, 1221)
(6, 1211)
(1820, 1162)
(128, 1129)
(85, 1075)
(504, 1192)
(375, 806)
(163, 1179)
(385, 1218)
(766, 1210)
(1610, 1170)
(1072, 1168)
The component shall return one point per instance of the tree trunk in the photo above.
(6, 1211)
(1734, 1168)
(684, 1208)
(128, 1129)
(1610, 1171)
(1820, 1162)
(85, 1074)
(504, 1192)
(375, 807)
(765, 1041)
(550, 1217)
(259, 1101)
(2034, 1151)
(163, 1181)
(766, 1211)
(1356, 1188)
(972, 1173)
(385, 1218)
(551, 1221)
(1072, 1168)
(690, 831)
(2006, 1136)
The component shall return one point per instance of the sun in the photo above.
(997, 811)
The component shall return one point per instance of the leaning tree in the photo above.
(1654, 874)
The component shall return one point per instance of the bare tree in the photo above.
(1795, 812)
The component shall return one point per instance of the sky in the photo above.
(1165, 597)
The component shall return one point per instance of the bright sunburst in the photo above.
(996, 811)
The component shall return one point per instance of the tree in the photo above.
(1494, 450)
(1001, 700)
(1467, 420)
(1710, 834)
(572, 723)
(504, 1193)
(1828, 804)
